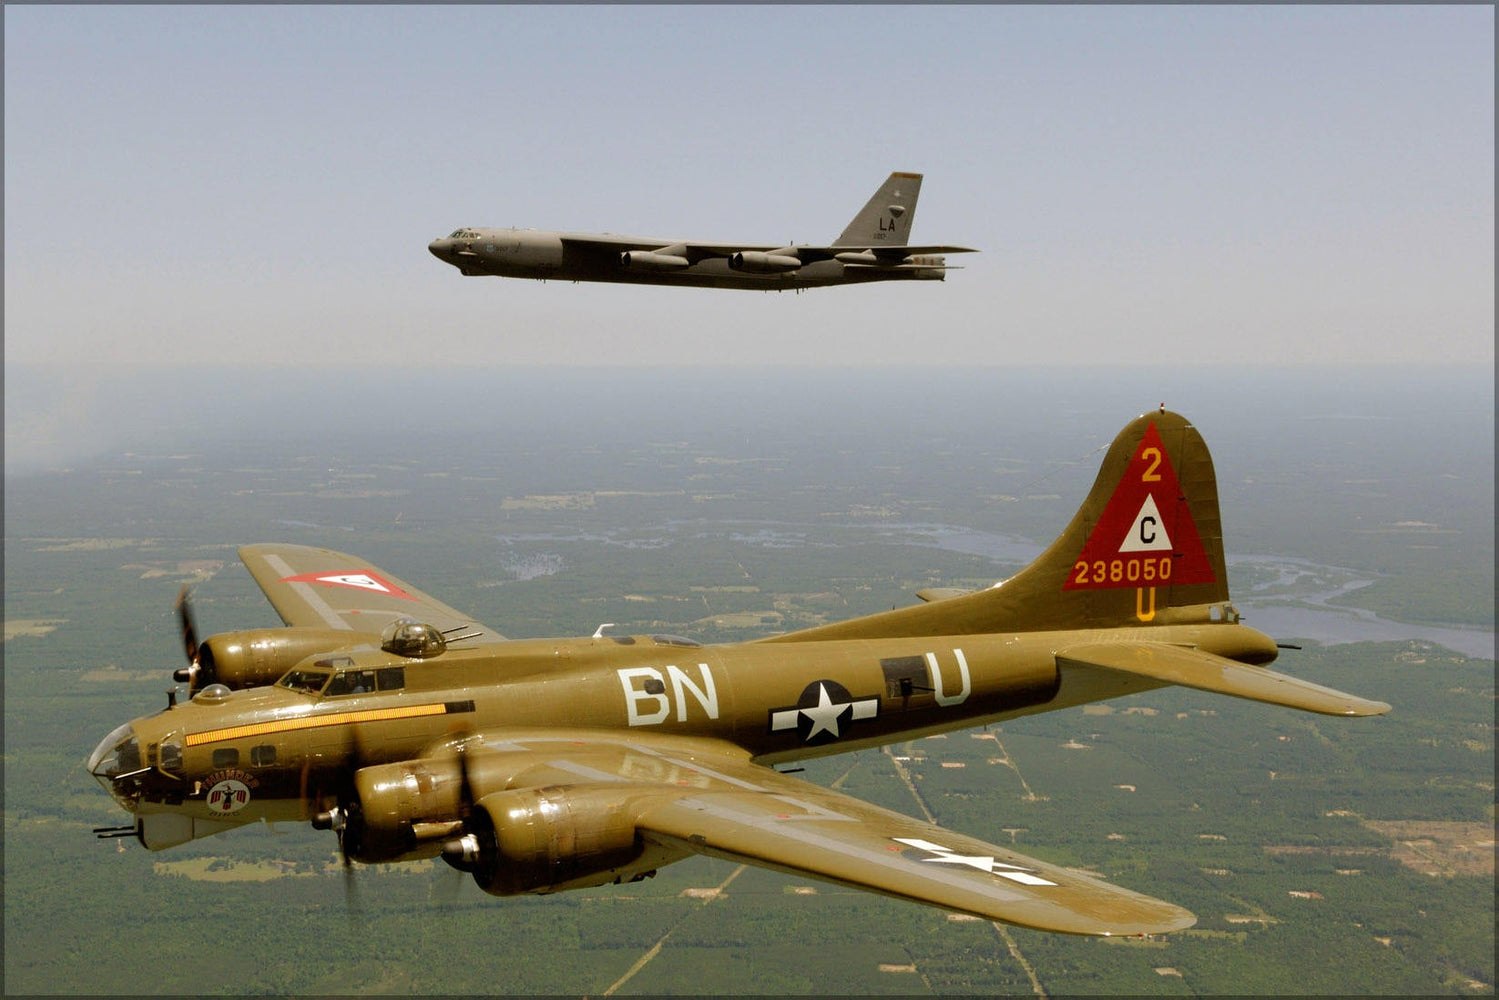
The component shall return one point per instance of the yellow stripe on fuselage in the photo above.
(313, 722)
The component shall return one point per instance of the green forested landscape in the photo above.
(1323, 856)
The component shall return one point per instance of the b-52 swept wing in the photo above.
(541, 765)
(874, 247)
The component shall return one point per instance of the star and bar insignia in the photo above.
(823, 710)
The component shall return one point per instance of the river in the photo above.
(1291, 600)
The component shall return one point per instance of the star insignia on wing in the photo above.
(984, 863)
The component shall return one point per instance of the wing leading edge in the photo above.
(707, 797)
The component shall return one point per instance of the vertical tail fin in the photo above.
(885, 220)
(1147, 539)
(1146, 544)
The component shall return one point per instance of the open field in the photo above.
(33, 628)
(1324, 856)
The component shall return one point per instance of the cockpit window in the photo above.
(352, 682)
(307, 681)
(365, 681)
(464, 234)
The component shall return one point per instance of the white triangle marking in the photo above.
(1148, 533)
(355, 580)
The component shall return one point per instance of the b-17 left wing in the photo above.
(320, 588)
(706, 796)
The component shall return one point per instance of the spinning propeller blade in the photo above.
(187, 623)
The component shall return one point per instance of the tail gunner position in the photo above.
(541, 765)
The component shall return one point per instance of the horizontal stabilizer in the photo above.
(1194, 668)
(902, 267)
(900, 252)
(930, 594)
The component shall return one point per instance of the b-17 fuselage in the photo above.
(547, 764)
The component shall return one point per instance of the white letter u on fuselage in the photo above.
(946, 699)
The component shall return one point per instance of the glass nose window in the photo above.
(117, 753)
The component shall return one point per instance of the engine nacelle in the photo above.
(547, 839)
(644, 260)
(406, 810)
(257, 657)
(759, 262)
(522, 840)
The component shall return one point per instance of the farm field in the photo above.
(1320, 855)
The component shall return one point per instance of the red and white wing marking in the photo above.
(320, 588)
(365, 579)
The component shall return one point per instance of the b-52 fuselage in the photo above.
(541, 765)
(872, 248)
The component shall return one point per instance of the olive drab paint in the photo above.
(413, 732)
(648, 703)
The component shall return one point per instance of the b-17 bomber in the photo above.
(540, 765)
(873, 247)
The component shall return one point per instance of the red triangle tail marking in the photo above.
(1145, 536)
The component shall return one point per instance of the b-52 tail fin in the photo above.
(886, 219)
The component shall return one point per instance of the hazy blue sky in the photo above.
(258, 184)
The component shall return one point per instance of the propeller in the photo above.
(308, 805)
(465, 785)
(351, 885)
(446, 885)
(187, 621)
(344, 818)
(462, 852)
(456, 852)
(340, 819)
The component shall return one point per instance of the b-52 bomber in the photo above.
(540, 765)
(872, 248)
